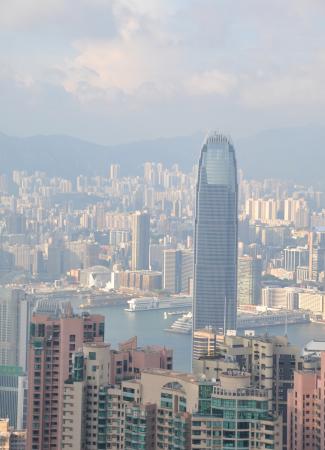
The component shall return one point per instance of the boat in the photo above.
(183, 325)
(150, 303)
(175, 313)
(103, 301)
(272, 318)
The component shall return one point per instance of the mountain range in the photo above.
(296, 154)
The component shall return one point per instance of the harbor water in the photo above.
(149, 327)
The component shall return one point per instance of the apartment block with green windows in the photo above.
(236, 416)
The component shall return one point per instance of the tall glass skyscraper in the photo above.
(216, 223)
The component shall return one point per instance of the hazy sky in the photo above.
(118, 70)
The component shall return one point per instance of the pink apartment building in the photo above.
(52, 345)
(306, 410)
(128, 361)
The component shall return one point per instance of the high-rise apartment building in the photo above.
(149, 173)
(294, 257)
(261, 210)
(171, 410)
(178, 270)
(140, 241)
(271, 361)
(114, 171)
(316, 246)
(306, 411)
(54, 340)
(249, 280)
(95, 369)
(215, 247)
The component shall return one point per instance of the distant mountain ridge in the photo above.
(289, 153)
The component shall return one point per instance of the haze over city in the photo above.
(162, 225)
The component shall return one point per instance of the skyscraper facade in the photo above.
(216, 224)
(249, 280)
(178, 270)
(140, 241)
(14, 318)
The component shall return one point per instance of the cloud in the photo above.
(298, 85)
(168, 62)
(211, 82)
(16, 14)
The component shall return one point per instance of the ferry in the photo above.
(150, 303)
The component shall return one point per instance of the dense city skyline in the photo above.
(162, 225)
(124, 245)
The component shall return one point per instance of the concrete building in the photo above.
(114, 171)
(261, 210)
(80, 254)
(294, 257)
(95, 369)
(11, 439)
(302, 274)
(271, 361)
(296, 211)
(204, 343)
(306, 412)
(165, 409)
(140, 241)
(129, 359)
(316, 245)
(54, 339)
(117, 237)
(249, 280)
(178, 270)
(140, 280)
(312, 300)
(279, 297)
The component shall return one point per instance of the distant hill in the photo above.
(289, 153)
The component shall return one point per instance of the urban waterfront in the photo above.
(149, 326)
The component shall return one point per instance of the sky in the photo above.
(113, 71)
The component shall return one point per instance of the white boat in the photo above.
(142, 304)
(244, 321)
(182, 325)
(149, 303)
